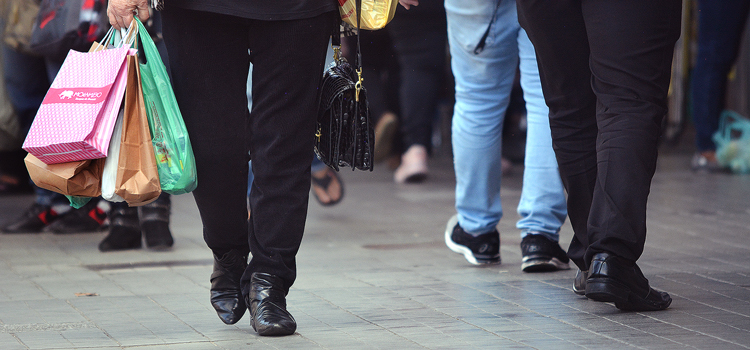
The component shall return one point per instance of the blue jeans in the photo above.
(720, 27)
(483, 85)
(27, 79)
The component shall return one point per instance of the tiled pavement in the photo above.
(375, 274)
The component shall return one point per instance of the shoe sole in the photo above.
(579, 291)
(635, 303)
(416, 178)
(607, 290)
(461, 249)
(539, 265)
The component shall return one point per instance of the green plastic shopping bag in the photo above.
(174, 155)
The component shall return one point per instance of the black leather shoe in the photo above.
(579, 284)
(124, 230)
(226, 294)
(611, 279)
(267, 303)
(155, 223)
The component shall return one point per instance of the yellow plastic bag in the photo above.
(375, 13)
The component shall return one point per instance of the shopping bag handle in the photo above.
(119, 38)
(148, 49)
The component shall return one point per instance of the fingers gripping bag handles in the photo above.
(174, 154)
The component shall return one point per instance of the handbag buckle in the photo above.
(358, 85)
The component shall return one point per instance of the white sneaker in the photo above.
(413, 168)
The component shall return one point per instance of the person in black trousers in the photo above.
(605, 71)
(208, 43)
(411, 49)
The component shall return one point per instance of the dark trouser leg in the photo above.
(419, 38)
(288, 58)
(379, 70)
(562, 51)
(209, 63)
(210, 70)
(631, 45)
(720, 25)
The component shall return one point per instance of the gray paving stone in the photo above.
(374, 274)
(10, 342)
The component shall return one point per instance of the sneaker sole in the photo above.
(539, 265)
(461, 249)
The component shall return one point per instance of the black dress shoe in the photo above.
(267, 303)
(155, 223)
(611, 279)
(124, 230)
(579, 284)
(226, 294)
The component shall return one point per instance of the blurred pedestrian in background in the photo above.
(720, 27)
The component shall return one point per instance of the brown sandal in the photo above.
(324, 183)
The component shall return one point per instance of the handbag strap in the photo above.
(358, 85)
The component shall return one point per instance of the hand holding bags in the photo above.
(174, 154)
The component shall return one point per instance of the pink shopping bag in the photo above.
(78, 114)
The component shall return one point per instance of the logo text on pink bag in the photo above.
(77, 95)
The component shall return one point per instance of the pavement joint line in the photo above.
(693, 330)
(357, 316)
(31, 327)
(179, 319)
(555, 318)
(148, 264)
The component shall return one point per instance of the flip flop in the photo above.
(324, 183)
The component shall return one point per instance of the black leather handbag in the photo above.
(345, 134)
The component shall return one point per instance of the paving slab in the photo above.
(374, 274)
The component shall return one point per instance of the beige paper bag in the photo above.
(137, 176)
(82, 178)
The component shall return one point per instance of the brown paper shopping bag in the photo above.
(80, 178)
(137, 176)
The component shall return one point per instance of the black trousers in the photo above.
(605, 71)
(209, 60)
(411, 50)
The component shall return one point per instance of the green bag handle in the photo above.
(149, 48)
